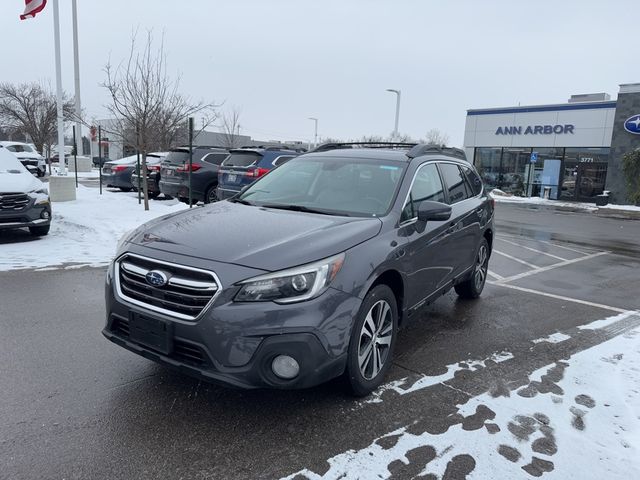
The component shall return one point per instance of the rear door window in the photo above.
(455, 183)
(473, 180)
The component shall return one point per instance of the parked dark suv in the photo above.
(245, 165)
(307, 274)
(174, 174)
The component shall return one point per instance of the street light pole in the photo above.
(397, 92)
(76, 69)
(315, 135)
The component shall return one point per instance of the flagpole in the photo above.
(76, 66)
(56, 33)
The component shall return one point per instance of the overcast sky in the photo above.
(282, 61)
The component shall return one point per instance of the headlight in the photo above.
(41, 196)
(293, 285)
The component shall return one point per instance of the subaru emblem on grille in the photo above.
(156, 278)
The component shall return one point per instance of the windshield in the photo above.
(342, 186)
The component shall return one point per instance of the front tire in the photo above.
(473, 286)
(372, 341)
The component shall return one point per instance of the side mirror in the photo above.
(434, 211)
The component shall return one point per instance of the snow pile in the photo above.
(500, 197)
(83, 232)
(586, 425)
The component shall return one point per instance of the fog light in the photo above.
(285, 367)
(44, 214)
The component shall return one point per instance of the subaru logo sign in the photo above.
(632, 124)
(156, 278)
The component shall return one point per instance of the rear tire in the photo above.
(39, 231)
(126, 189)
(154, 194)
(473, 286)
(373, 338)
(211, 195)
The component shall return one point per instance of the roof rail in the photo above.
(336, 146)
(426, 149)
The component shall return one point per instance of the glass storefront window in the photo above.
(584, 173)
(514, 161)
(487, 161)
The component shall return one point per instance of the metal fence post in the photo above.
(75, 154)
(100, 162)
(138, 162)
(190, 159)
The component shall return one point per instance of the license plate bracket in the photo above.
(150, 332)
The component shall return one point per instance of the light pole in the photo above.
(76, 69)
(315, 135)
(397, 92)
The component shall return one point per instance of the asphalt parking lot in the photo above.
(73, 405)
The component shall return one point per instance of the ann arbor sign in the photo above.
(536, 130)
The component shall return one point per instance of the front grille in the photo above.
(186, 352)
(13, 201)
(185, 294)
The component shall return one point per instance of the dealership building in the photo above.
(569, 151)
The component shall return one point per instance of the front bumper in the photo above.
(235, 343)
(32, 216)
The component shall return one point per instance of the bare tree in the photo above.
(31, 109)
(231, 128)
(145, 100)
(436, 137)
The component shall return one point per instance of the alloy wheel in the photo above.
(482, 265)
(375, 339)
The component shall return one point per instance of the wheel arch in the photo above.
(488, 235)
(392, 279)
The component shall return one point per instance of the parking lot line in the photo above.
(550, 267)
(561, 297)
(495, 275)
(515, 259)
(532, 249)
(582, 252)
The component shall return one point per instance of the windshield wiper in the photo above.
(302, 208)
(240, 200)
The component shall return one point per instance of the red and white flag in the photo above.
(32, 7)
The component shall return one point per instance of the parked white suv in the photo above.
(24, 200)
(28, 156)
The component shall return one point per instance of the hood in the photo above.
(14, 177)
(255, 237)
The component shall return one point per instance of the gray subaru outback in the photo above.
(308, 273)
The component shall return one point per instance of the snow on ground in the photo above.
(404, 386)
(83, 232)
(553, 338)
(586, 426)
(500, 196)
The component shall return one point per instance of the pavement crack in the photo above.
(457, 389)
(408, 369)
